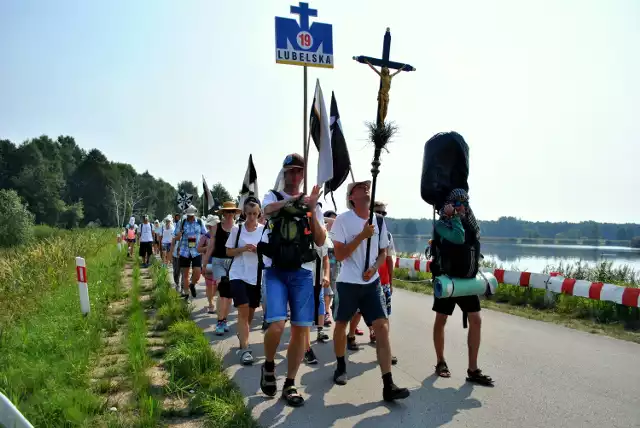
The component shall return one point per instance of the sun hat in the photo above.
(229, 206)
(351, 186)
(191, 210)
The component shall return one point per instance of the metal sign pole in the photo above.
(304, 132)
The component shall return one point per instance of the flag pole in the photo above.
(305, 142)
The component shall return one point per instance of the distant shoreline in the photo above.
(539, 241)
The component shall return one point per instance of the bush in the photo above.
(635, 242)
(16, 222)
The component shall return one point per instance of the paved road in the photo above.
(546, 376)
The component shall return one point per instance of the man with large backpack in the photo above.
(358, 285)
(289, 250)
(455, 249)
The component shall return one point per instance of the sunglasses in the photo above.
(459, 204)
(382, 213)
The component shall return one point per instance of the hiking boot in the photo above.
(310, 357)
(340, 378)
(192, 287)
(392, 393)
(352, 345)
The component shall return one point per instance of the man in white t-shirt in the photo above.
(293, 288)
(358, 286)
(146, 241)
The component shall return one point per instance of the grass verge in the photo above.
(575, 312)
(196, 371)
(46, 345)
(139, 361)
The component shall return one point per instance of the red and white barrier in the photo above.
(81, 272)
(553, 282)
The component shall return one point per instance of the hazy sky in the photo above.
(544, 92)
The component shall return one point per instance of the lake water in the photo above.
(534, 258)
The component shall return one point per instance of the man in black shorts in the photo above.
(188, 233)
(456, 252)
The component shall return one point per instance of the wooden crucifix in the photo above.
(385, 76)
(380, 132)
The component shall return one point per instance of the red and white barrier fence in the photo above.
(553, 282)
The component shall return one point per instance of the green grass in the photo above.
(193, 365)
(46, 345)
(576, 312)
(139, 361)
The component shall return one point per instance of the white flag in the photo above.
(319, 128)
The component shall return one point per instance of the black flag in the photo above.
(250, 183)
(340, 153)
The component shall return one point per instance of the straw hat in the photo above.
(352, 185)
(229, 206)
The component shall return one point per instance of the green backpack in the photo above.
(290, 239)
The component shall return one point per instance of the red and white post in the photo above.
(81, 271)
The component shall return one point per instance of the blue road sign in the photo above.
(304, 44)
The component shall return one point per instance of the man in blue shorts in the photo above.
(289, 263)
(358, 286)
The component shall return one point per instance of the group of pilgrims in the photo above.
(307, 268)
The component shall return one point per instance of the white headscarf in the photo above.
(132, 220)
(279, 186)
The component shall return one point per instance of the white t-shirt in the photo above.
(167, 234)
(245, 265)
(146, 234)
(345, 228)
(269, 198)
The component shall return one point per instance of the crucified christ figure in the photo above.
(385, 86)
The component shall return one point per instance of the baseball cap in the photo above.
(294, 160)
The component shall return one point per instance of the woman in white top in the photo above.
(241, 245)
(167, 237)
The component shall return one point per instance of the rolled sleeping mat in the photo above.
(445, 286)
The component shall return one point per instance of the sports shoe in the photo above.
(352, 345)
(310, 357)
(394, 360)
(225, 325)
(192, 287)
(359, 332)
(327, 320)
(372, 337)
(322, 336)
(220, 328)
(246, 357)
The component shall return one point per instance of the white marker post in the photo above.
(81, 271)
(119, 241)
(10, 416)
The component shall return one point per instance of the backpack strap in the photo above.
(236, 246)
(278, 195)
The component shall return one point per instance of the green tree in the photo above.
(16, 222)
(411, 228)
(621, 235)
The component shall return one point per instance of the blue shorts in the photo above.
(294, 288)
(166, 247)
(219, 267)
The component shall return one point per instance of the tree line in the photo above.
(511, 227)
(63, 185)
